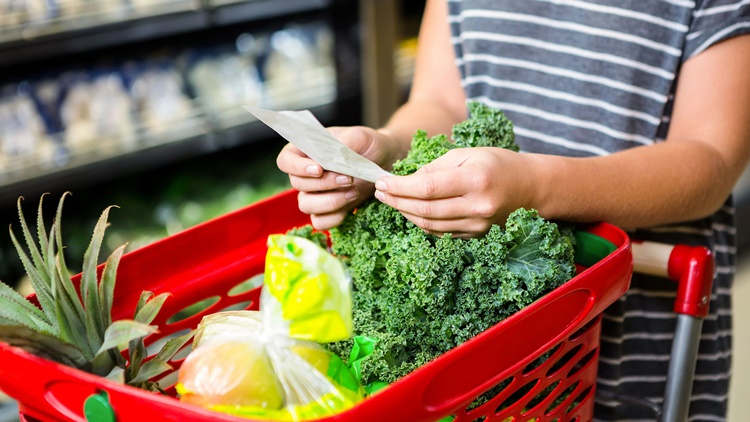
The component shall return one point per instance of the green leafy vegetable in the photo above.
(421, 295)
(73, 324)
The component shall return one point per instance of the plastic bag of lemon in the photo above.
(268, 364)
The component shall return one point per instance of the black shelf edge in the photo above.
(232, 13)
(27, 50)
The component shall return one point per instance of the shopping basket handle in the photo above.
(692, 267)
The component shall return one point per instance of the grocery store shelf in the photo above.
(28, 38)
(227, 12)
(183, 141)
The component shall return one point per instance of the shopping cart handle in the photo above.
(692, 267)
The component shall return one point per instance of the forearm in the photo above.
(664, 183)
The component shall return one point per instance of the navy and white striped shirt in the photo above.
(589, 78)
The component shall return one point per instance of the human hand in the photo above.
(329, 196)
(463, 192)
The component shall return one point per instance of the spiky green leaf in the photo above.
(150, 369)
(89, 279)
(44, 345)
(37, 283)
(137, 350)
(62, 271)
(103, 364)
(117, 375)
(36, 256)
(174, 345)
(17, 308)
(121, 332)
(107, 285)
(148, 311)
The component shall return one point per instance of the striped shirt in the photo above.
(589, 78)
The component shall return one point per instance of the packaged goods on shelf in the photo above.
(300, 65)
(23, 135)
(223, 78)
(160, 100)
(97, 115)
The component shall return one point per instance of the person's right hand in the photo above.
(327, 196)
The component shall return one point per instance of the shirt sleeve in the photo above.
(714, 21)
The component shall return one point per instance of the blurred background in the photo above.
(137, 103)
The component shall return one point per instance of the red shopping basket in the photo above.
(537, 364)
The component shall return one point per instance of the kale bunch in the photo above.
(421, 295)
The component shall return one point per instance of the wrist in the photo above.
(395, 148)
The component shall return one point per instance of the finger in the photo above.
(327, 221)
(294, 162)
(433, 209)
(328, 181)
(459, 228)
(427, 185)
(327, 202)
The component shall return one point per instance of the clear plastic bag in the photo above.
(267, 364)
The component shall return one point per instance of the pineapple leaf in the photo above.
(36, 256)
(117, 375)
(150, 369)
(16, 308)
(89, 280)
(173, 345)
(103, 364)
(138, 353)
(142, 300)
(71, 329)
(151, 308)
(121, 332)
(107, 285)
(41, 288)
(62, 271)
(69, 313)
(40, 228)
(43, 345)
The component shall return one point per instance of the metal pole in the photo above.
(682, 368)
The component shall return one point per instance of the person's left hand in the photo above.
(463, 192)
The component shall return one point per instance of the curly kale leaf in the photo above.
(422, 295)
(487, 127)
(424, 149)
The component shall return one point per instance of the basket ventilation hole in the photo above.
(517, 395)
(561, 398)
(480, 419)
(578, 400)
(581, 363)
(247, 285)
(489, 394)
(193, 310)
(541, 359)
(585, 329)
(541, 396)
(239, 306)
(564, 360)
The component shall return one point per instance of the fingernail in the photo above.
(351, 194)
(381, 186)
(344, 180)
(379, 195)
(313, 170)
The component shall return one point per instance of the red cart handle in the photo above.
(692, 267)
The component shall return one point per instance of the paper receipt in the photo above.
(305, 132)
